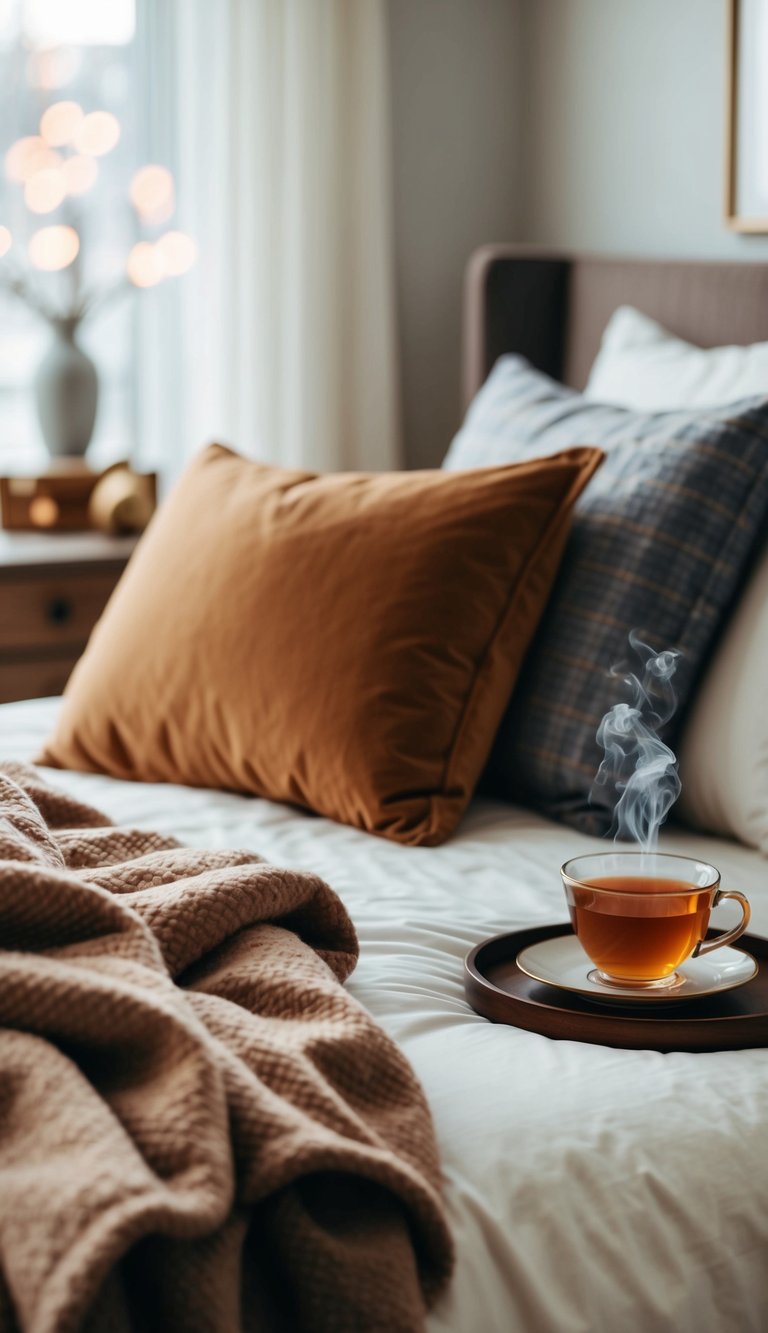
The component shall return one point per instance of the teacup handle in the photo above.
(706, 946)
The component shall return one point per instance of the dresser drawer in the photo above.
(34, 680)
(41, 612)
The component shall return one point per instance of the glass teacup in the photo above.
(640, 915)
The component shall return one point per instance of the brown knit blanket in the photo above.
(200, 1130)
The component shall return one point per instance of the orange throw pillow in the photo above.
(344, 642)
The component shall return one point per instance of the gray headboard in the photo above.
(552, 308)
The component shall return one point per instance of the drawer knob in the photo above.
(58, 611)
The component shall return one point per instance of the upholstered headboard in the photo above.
(552, 308)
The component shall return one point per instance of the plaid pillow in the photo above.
(660, 541)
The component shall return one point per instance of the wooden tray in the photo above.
(730, 1021)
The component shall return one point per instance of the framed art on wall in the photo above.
(746, 203)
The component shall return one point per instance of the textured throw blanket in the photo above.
(200, 1130)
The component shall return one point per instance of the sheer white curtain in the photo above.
(274, 115)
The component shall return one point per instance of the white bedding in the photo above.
(590, 1190)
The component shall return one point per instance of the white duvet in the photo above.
(590, 1190)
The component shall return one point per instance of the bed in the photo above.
(587, 1188)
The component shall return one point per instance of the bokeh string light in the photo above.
(177, 251)
(145, 265)
(27, 156)
(53, 248)
(80, 174)
(153, 194)
(60, 164)
(97, 134)
(59, 125)
(45, 190)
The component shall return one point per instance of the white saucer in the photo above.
(563, 963)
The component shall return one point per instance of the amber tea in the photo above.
(627, 938)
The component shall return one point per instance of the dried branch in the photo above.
(19, 286)
(98, 300)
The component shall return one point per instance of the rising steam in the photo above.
(639, 771)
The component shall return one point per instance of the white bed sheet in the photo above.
(590, 1190)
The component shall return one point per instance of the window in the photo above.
(80, 52)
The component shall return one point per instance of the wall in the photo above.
(583, 124)
(456, 143)
(623, 128)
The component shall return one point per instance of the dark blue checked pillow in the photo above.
(660, 541)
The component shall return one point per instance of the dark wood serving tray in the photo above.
(733, 1020)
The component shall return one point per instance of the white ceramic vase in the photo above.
(66, 393)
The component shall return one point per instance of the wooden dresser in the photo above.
(52, 590)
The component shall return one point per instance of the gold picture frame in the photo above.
(746, 140)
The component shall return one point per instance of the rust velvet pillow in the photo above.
(345, 642)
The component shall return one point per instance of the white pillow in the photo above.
(723, 750)
(641, 365)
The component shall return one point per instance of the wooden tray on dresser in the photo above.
(732, 1020)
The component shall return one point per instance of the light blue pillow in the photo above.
(660, 541)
